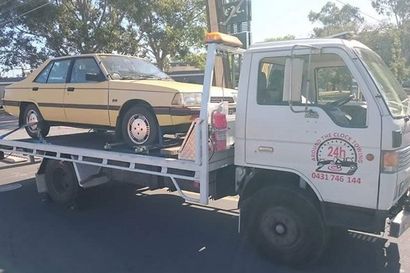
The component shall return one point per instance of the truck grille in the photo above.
(221, 99)
(404, 158)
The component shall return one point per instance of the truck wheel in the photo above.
(286, 226)
(139, 127)
(61, 181)
(31, 114)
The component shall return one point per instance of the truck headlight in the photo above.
(390, 161)
(187, 99)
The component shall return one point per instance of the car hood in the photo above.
(169, 86)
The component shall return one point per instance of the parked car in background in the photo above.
(123, 93)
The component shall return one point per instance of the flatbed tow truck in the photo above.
(305, 151)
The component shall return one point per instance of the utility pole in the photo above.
(214, 27)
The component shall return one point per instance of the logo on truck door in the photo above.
(337, 153)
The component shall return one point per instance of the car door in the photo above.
(86, 94)
(48, 90)
(323, 146)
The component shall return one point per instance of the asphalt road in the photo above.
(120, 228)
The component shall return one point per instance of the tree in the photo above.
(336, 20)
(281, 38)
(398, 9)
(169, 27)
(157, 28)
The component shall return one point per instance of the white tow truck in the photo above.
(320, 139)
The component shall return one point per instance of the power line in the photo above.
(365, 14)
(15, 7)
(23, 14)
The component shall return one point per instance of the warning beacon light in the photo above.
(222, 38)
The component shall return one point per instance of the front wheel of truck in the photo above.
(286, 226)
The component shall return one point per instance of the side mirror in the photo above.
(94, 77)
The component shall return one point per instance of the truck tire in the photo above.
(286, 226)
(32, 114)
(139, 126)
(61, 182)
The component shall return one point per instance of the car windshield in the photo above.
(130, 68)
(392, 92)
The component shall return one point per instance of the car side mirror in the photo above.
(94, 77)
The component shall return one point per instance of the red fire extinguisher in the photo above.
(220, 129)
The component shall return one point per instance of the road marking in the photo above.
(10, 187)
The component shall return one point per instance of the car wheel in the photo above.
(33, 115)
(139, 127)
(287, 227)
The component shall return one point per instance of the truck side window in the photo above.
(339, 95)
(271, 81)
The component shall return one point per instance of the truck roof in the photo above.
(319, 42)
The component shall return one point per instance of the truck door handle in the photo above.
(70, 89)
(265, 149)
(34, 88)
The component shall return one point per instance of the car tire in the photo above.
(139, 127)
(286, 226)
(61, 181)
(32, 114)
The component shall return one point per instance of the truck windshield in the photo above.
(392, 92)
(130, 68)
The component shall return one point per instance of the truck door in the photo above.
(86, 94)
(313, 115)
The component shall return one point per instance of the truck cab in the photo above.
(328, 116)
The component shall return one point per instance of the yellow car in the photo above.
(124, 93)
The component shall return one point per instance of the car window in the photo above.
(82, 67)
(58, 73)
(42, 77)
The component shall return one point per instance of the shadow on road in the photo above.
(117, 231)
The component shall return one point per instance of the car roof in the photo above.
(91, 55)
(318, 42)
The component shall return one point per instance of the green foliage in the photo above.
(391, 42)
(399, 9)
(281, 38)
(155, 28)
(336, 20)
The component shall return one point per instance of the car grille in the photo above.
(221, 99)
(404, 158)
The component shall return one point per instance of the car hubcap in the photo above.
(138, 129)
(32, 118)
(280, 227)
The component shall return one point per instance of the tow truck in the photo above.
(304, 109)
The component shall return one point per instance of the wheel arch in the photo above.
(130, 103)
(23, 105)
(264, 178)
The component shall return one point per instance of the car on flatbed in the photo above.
(107, 91)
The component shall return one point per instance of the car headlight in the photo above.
(187, 99)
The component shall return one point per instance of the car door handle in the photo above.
(70, 89)
(265, 149)
(34, 88)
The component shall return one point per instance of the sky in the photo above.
(273, 18)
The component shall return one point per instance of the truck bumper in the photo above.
(400, 223)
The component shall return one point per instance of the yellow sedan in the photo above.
(124, 93)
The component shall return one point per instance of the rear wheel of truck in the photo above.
(286, 226)
(139, 127)
(61, 181)
(32, 115)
